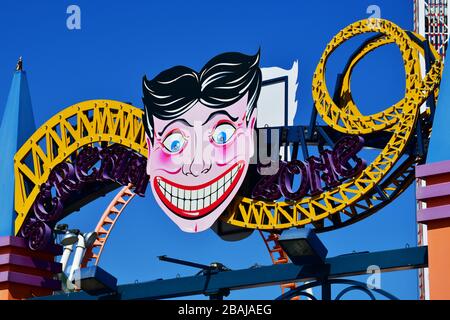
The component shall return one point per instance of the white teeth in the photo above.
(175, 192)
(193, 200)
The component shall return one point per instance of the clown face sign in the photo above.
(199, 128)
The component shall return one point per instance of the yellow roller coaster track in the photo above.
(82, 124)
(400, 119)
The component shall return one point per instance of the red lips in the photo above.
(196, 201)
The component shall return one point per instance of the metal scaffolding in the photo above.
(431, 21)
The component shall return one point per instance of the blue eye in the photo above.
(222, 137)
(223, 133)
(174, 142)
(175, 146)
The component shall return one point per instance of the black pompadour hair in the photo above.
(223, 81)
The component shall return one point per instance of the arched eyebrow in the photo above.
(212, 115)
(173, 121)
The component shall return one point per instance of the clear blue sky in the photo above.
(120, 41)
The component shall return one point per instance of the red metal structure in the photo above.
(278, 256)
(106, 224)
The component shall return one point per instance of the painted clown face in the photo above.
(199, 149)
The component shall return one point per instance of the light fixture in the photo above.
(69, 238)
(85, 241)
(89, 238)
(61, 228)
(303, 246)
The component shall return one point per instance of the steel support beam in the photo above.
(216, 282)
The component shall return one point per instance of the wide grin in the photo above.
(194, 202)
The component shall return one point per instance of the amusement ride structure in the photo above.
(60, 155)
(430, 21)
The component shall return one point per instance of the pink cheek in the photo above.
(163, 158)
